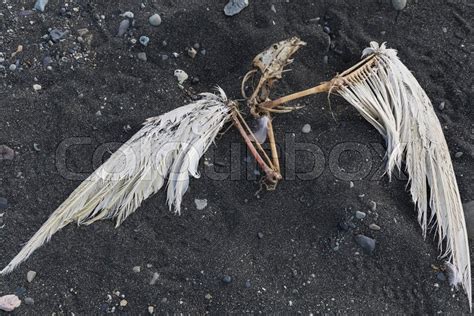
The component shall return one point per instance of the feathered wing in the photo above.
(392, 100)
(168, 146)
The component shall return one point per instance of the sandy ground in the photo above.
(283, 250)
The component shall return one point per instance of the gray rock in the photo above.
(235, 6)
(227, 279)
(248, 284)
(128, 15)
(29, 301)
(327, 30)
(469, 218)
(123, 27)
(458, 154)
(6, 153)
(360, 215)
(399, 4)
(136, 269)
(47, 60)
(306, 129)
(441, 106)
(40, 5)
(441, 276)
(260, 235)
(200, 204)
(30, 276)
(3, 203)
(141, 56)
(12, 67)
(208, 296)
(57, 35)
(374, 226)
(155, 19)
(144, 40)
(373, 206)
(164, 57)
(366, 243)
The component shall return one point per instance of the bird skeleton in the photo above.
(168, 148)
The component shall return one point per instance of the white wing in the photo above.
(392, 100)
(168, 146)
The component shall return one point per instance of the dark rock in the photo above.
(6, 153)
(29, 301)
(343, 226)
(123, 27)
(20, 291)
(248, 284)
(441, 276)
(366, 243)
(3, 203)
(227, 279)
(57, 35)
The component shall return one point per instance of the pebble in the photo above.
(2, 59)
(136, 269)
(366, 243)
(29, 301)
(373, 206)
(164, 57)
(30, 276)
(37, 87)
(12, 67)
(208, 296)
(441, 106)
(155, 278)
(56, 35)
(374, 226)
(3, 203)
(128, 14)
(192, 52)
(181, 75)
(306, 129)
(141, 56)
(360, 215)
(260, 235)
(327, 30)
(273, 8)
(248, 284)
(399, 4)
(458, 154)
(144, 40)
(151, 309)
(123, 303)
(155, 19)
(351, 184)
(47, 60)
(123, 27)
(441, 276)
(227, 279)
(9, 302)
(325, 59)
(36, 147)
(40, 5)
(203, 52)
(445, 30)
(20, 291)
(164, 300)
(6, 153)
(196, 46)
(200, 204)
(235, 6)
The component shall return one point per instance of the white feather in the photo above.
(392, 100)
(168, 146)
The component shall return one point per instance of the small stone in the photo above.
(175, 54)
(29, 301)
(373, 206)
(37, 87)
(248, 284)
(98, 113)
(9, 302)
(260, 235)
(128, 15)
(144, 40)
(351, 184)
(366, 243)
(290, 303)
(40, 5)
(155, 278)
(47, 60)
(83, 31)
(12, 67)
(441, 276)
(203, 52)
(200, 204)
(123, 27)
(164, 57)
(445, 29)
(235, 6)
(227, 279)
(441, 106)
(181, 75)
(30, 276)
(399, 4)
(141, 56)
(36, 147)
(164, 300)
(374, 226)
(273, 8)
(155, 19)
(208, 296)
(57, 35)
(151, 309)
(306, 129)
(192, 52)
(20, 291)
(326, 29)
(6, 153)
(136, 269)
(3, 203)
(325, 59)
(458, 154)
(123, 303)
(195, 80)
(360, 215)
(196, 46)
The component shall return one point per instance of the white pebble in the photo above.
(155, 19)
(136, 269)
(151, 309)
(30, 276)
(128, 14)
(306, 129)
(123, 303)
(181, 75)
(37, 87)
(200, 204)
